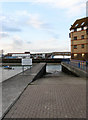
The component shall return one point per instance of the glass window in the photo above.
(82, 28)
(75, 46)
(76, 25)
(75, 30)
(82, 37)
(75, 38)
(82, 45)
(75, 55)
(83, 55)
(82, 23)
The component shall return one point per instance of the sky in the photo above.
(38, 25)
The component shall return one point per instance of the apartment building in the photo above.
(79, 39)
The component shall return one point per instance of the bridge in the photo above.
(37, 55)
(62, 53)
(50, 55)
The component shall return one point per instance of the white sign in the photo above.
(26, 61)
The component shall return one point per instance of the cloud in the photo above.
(18, 44)
(36, 22)
(9, 24)
(22, 19)
(4, 34)
(26, 19)
(73, 7)
(17, 41)
(33, 20)
(28, 42)
(59, 3)
(11, 29)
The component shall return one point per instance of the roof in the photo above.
(80, 23)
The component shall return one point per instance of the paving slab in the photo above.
(55, 95)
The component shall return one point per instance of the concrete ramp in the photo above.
(67, 68)
(13, 87)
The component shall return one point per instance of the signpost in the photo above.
(26, 62)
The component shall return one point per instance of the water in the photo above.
(53, 68)
(7, 73)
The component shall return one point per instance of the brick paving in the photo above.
(14, 86)
(54, 96)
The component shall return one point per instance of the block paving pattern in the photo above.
(50, 101)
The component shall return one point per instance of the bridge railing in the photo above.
(83, 65)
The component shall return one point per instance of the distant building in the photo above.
(79, 39)
(38, 55)
(18, 55)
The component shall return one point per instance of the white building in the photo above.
(19, 55)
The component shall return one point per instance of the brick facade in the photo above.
(79, 41)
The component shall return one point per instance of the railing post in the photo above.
(86, 63)
(68, 61)
(79, 65)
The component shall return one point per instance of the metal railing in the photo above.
(83, 65)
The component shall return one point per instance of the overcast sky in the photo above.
(38, 25)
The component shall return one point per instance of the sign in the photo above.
(26, 62)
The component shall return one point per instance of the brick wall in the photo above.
(76, 53)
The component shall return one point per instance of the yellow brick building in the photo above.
(79, 39)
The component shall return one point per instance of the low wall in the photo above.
(11, 64)
(67, 68)
(40, 72)
(18, 61)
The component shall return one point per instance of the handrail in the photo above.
(83, 65)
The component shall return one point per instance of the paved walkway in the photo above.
(14, 86)
(55, 95)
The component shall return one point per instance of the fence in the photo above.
(83, 65)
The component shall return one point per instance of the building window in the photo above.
(82, 45)
(75, 55)
(75, 30)
(76, 25)
(87, 30)
(82, 37)
(69, 35)
(75, 46)
(82, 23)
(82, 28)
(75, 38)
(83, 55)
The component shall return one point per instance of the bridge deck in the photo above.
(53, 96)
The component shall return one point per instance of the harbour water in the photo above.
(7, 73)
(53, 68)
